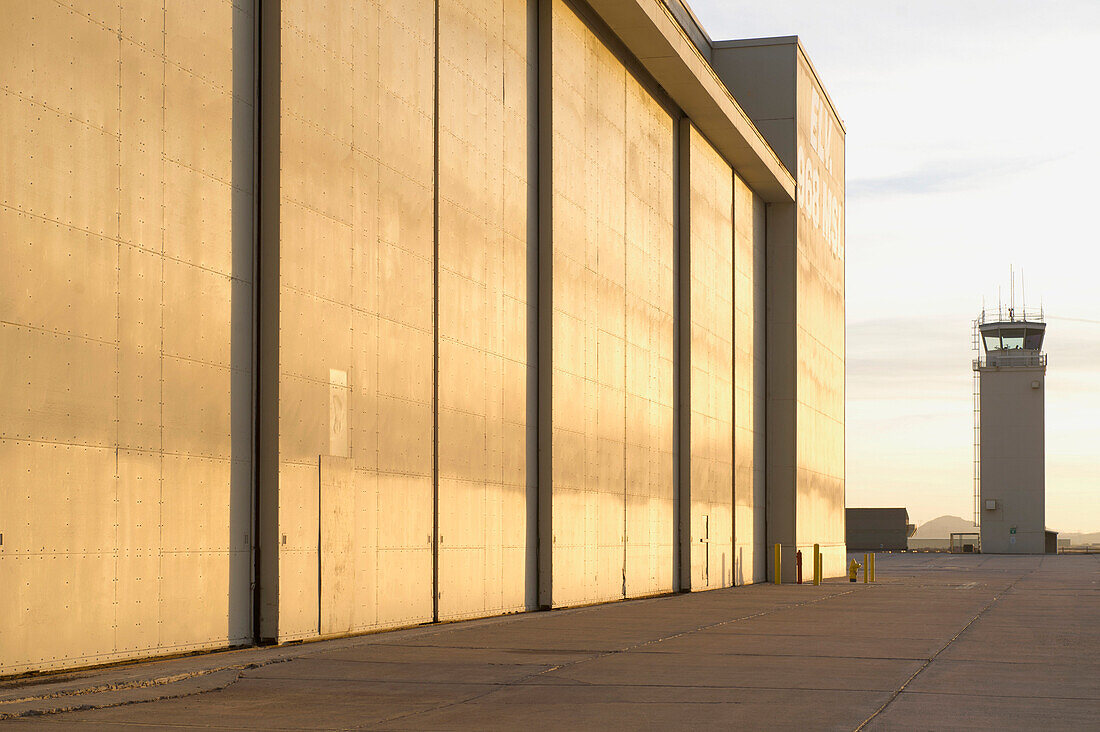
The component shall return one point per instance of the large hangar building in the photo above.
(324, 318)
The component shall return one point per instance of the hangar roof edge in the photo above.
(693, 28)
(786, 41)
(654, 36)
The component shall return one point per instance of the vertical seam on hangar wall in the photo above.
(733, 377)
(626, 318)
(118, 329)
(531, 474)
(160, 304)
(844, 348)
(254, 523)
(320, 565)
(544, 90)
(435, 319)
(795, 298)
(761, 433)
(681, 359)
(267, 406)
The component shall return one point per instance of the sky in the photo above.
(972, 147)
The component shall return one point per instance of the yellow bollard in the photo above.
(778, 564)
(865, 569)
(817, 564)
(821, 566)
(872, 567)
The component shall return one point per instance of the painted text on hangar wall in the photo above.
(820, 167)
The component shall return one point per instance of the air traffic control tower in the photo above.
(1010, 376)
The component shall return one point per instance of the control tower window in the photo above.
(1034, 339)
(1012, 338)
(992, 342)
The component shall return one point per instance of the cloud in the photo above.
(947, 176)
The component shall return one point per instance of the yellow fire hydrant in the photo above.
(853, 568)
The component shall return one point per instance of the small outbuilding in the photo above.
(877, 529)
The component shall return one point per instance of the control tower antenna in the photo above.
(1011, 292)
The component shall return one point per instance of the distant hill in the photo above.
(1081, 539)
(943, 527)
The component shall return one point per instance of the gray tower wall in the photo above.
(1012, 460)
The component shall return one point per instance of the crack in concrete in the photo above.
(108, 688)
(119, 686)
(87, 706)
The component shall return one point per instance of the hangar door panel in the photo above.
(749, 384)
(710, 366)
(355, 272)
(482, 325)
(611, 322)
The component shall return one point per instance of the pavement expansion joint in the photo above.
(971, 694)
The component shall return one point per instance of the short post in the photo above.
(817, 564)
(798, 566)
(864, 569)
(872, 566)
(778, 564)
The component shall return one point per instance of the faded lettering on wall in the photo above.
(817, 199)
